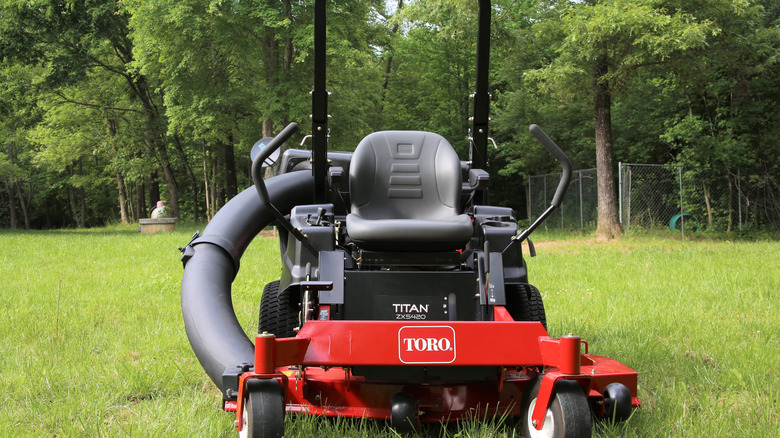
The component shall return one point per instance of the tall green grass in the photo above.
(92, 341)
(699, 321)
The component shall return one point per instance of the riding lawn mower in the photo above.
(402, 296)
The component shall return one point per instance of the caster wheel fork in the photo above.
(568, 416)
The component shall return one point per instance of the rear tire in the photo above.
(567, 417)
(263, 415)
(524, 303)
(278, 312)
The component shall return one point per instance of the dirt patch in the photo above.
(268, 233)
(559, 243)
(561, 246)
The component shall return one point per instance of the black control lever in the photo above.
(563, 185)
(262, 190)
(270, 148)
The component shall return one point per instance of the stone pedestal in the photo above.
(159, 225)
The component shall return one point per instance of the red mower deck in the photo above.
(314, 368)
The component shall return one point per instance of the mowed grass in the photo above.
(92, 341)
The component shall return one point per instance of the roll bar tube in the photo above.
(319, 103)
(480, 119)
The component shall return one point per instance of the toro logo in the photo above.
(426, 344)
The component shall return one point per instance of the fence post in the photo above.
(620, 193)
(562, 206)
(739, 196)
(545, 193)
(630, 188)
(581, 224)
(682, 211)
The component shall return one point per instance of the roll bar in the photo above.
(319, 103)
(319, 117)
(480, 119)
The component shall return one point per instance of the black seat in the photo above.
(405, 189)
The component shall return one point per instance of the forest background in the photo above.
(108, 106)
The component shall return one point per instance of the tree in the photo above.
(78, 135)
(74, 37)
(604, 43)
(233, 72)
(727, 113)
(18, 114)
(433, 73)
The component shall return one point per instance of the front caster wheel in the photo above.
(403, 413)
(263, 415)
(567, 417)
(617, 402)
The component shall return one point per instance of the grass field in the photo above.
(92, 341)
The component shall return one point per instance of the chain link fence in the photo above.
(649, 195)
(667, 196)
(579, 205)
(694, 198)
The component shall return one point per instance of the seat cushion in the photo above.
(410, 235)
(405, 188)
(405, 175)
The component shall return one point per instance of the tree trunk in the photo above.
(73, 209)
(122, 198)
(231, 181)
(191, 176)
(9, 186)
(141, 89)
(154, 193)
(216, 202)
(708, 203)
(268, 127)
(140, 200)
(120, 182)
(209, 212)
(75, 202)
(83, 206)
(170, 181)
(389, 60)
(731, 205)
(23, 204)
(288, 46)
(608, 223)
(268, 131)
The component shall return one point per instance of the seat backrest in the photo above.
(405, 175)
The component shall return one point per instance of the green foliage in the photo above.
(162, 96)
(434, 70)
(631, 33)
